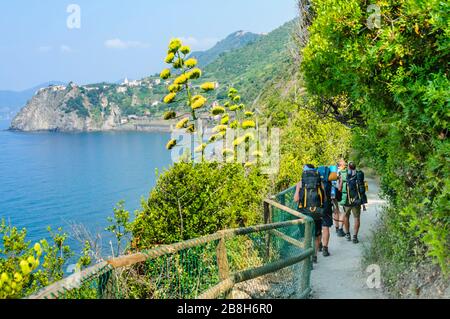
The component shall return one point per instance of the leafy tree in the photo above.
(395, 79)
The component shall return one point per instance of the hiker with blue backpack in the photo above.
(353, 188)
(327, 176)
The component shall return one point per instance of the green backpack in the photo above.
(344, 200)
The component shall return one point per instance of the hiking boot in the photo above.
(348, 237)
(341, 233)
(314, 259)
(325, 252)
(355, 239)
(320, 247)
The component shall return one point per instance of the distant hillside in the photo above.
(256, 62)
(251, 68)
(234, 41)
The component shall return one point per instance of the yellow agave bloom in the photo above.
(38, 249)
(249, 164)
(208, 86)
(248, 114)
(182, 124)
(227, 151)
(234, 124)
(194, 74)
(18, 277)
(31, 260)
(190, 128)
(227, 104)
(200, 148)
(225, 120)
(25, 267)
(198, 101)
(216, 110)
(237, 98)
(169, 115)
(171, 144)
(165, 74)
(216, 137)
(182, 79)
(185, 49)
(249, 136)
(174, 45)
(169, 58)
(257, 154)
(239, 141)
(232, 91)
(4, 278)
(248, 124)
(219, 128)
(174, 88)
(178, 63)
(234, 108)
(190, 63)
(169, 98)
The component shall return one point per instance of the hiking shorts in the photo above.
(327, 215)
(317, 217)
(355, 210)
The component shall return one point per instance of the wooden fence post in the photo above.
(267, 220)
(307, 263)
(222, 262)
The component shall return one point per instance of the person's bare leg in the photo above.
(317, 243)
(336, 216)
(325, 236)
(357, 225)
(341, 217)
(346, 223)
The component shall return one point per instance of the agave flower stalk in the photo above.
(184, 71)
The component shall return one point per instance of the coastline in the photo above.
(154, 126)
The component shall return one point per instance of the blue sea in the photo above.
(61, 179)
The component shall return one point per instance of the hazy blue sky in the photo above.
(117, 38)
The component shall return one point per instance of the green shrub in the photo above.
(195, 200)
(396, 78)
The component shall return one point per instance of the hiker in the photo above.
(336, 197)
(353, 188)
(327, 176)
(310, 196)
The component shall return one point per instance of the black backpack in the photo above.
(311, 195)
(356, 189)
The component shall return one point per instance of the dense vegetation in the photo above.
(194, 200)
(394, 82)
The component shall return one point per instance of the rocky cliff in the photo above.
(56, 109)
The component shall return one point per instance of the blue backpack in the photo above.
(324, 172)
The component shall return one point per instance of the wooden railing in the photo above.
(227, 279)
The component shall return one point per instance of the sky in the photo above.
(91, 41)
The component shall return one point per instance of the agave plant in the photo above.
(184, 71)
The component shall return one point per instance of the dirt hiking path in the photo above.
(341, 276)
